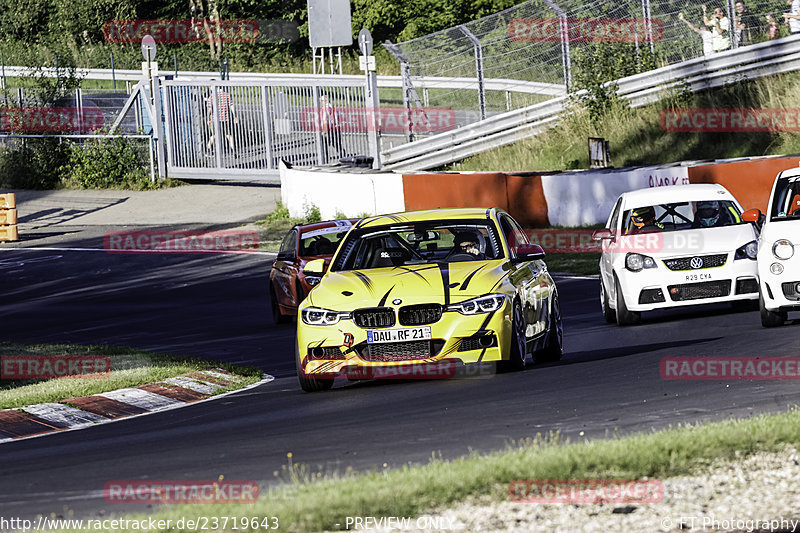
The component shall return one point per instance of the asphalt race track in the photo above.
(216, 306)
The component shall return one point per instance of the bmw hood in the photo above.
(442, 283)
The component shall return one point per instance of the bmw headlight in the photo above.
(484, 304)
(636, 262)
(748, 251)
(314, 316)
(783, 249)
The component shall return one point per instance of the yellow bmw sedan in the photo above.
(445, 287)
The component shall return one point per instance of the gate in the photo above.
(242, 129)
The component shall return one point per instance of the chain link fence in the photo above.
(541, 41)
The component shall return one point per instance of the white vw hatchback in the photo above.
(778, 258)
(673, 247)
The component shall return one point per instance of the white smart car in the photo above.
(674, 247)
(778, 260)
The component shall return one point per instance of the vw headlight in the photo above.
(783, 249)
(636, 262)
(314, 316)
(748, 251)
(484, 304)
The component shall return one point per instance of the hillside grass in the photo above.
(636, 137)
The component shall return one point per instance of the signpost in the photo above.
(372, 104)
(150, 69)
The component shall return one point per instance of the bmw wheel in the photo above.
(277, 316)
(554, 345)
(306, 383)
(518, 349)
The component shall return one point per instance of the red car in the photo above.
(288, 285)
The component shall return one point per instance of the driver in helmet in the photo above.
(644, 219)
(708, 214)
(467, 242)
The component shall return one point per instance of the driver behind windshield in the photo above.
(466, 242)
(644, 218)
(708, 215)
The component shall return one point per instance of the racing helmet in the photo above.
(643, 216)
(708, 213)
(468, 236)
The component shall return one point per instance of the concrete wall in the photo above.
(353, 194)
(574, 198)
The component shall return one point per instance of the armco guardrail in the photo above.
(763, 59)
(395, 82)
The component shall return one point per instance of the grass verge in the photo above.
(129, 368)
(585, 264)
(637, 138)
(311, 504)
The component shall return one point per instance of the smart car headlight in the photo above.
(748, 251)
(314, 316)
(313, 280)
(475, 306)
(783, 249)
(636, 262)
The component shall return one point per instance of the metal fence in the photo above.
(542, 40)
(245, 128)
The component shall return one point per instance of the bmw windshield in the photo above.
(442, 241)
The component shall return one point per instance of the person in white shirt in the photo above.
(720, 27)
(793, 17)
(704, 34)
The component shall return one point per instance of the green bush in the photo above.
(33, 164)
(106, 163)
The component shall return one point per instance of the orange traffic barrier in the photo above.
(8, 200)
(8, 217)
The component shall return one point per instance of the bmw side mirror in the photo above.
(529, 252)
(314, 268)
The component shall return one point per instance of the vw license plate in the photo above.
(398, 335)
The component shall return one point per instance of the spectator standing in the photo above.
(745, 25)
(704, 34)
(331, 136)
(792, 18)
(225, 110)
(774, 28)
(720, 27)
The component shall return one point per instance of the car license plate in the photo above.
(698, 277)
(398, 335)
